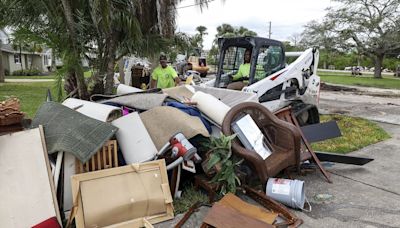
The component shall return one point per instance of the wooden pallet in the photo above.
(105, 158)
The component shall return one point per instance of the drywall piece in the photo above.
(69, 170)
(113, 196)
(124, 89)
(102, 112)
(27, 191)
(211, 106)
(133, 139)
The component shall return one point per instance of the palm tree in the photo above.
(2, 76)
(109, 29)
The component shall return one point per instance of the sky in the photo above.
(287, 16)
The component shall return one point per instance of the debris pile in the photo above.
(119, 161)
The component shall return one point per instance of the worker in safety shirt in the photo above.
(244, 71)
(164, 76)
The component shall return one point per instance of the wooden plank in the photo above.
(104, 158)
(109, 157)
(115, 153)
(222, 216)
(26, 199)
(98, 160)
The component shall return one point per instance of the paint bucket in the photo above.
(288, 192)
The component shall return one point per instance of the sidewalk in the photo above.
(370, 90)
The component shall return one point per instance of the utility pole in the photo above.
(269, 31)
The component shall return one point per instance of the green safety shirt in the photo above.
(244, 70)
(164, 77)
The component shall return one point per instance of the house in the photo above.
(23, 60)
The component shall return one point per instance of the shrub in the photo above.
(6, 72)
(32, 72)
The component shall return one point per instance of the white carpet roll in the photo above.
(211, 106)
(124, 89)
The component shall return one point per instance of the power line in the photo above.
(194, 4)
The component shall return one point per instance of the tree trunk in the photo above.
(121, 70)
(378, 66)
(53, 67)
(110, 61)
(2, 76)
(20, 58)
(75, 71)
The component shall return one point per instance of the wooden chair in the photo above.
(284, 140)
(306, 153)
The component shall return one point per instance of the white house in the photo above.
(22, 60)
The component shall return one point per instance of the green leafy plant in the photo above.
(221, 159)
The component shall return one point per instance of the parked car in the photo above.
(356, 71)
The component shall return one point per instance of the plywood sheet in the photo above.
(27, 190)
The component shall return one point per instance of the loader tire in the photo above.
(306, 114)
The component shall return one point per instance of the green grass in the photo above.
(356, 134)
(86, 74)
(387, 82)
(189, 197)
(31, 95)
(31, 77)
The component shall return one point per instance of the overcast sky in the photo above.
(287, 16)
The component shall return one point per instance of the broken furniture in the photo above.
(307, 152)
(11, 116)
(268, 214)
(224, 216)
(105, 158)
(139, 76)
(282, 138)
(27, 189)
(123, 196)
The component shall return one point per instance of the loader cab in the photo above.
(267, 57)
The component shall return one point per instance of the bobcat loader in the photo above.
(276, 83)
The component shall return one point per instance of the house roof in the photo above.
(8, 48)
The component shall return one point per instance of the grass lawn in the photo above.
(31, 95)
(356, 134)
(31, 77)
(87, 74)
(387, 82)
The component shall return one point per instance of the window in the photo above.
(46, 60)
(17, 58)
(233, 58)
(269, 60)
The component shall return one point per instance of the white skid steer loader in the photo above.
(276, 83)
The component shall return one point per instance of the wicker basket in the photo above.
(10, 117)
(12, 103)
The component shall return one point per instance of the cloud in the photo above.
(287, 16)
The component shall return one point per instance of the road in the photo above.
(366, 196)
(361, 196)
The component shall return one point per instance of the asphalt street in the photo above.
(360, 196)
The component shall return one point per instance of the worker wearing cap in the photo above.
(164, 76)
(244, 71)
